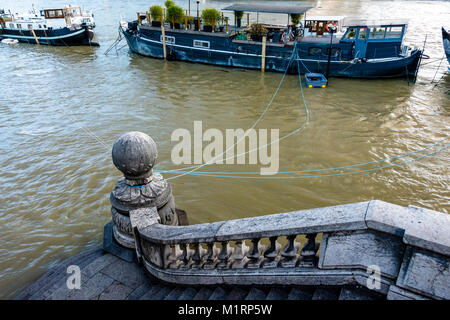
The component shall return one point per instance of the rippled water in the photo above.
(61, 109)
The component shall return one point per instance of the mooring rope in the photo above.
(294, 53)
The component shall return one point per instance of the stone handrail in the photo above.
(356, 238)
(401, 252)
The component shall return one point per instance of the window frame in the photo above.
(202, 44)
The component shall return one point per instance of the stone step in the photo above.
(218, 294)
(255, 294)
(326, 294)
(188, 294)
(203, 294)
(157, 292)
(174, 294)
(359, 294)
(237, 294)
(300, 294)
(277, 293)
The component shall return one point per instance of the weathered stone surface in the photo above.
(344, 217)
(135, 154)
(419, 227)
(425, 273)
(203, 294)
(188, 294)
(116, 291)
(355, 293)
(181, 234)
(140, 291)
(110, 245)
(92, 289)
(277, 293)
(326, 294)
(144, 217)
(218, 294)
(237, 294)
(127, 273)
(255, 294)
(301, 293)
(362, 249)
(396, 293)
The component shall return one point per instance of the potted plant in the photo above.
(238, 15)
(156, 12)
(210, 17)
(175, 15)
(169, 3)
(257, 31)
(296, 18)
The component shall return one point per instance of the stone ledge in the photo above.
(418, 227)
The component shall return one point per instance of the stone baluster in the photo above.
(173, 259)
(184, 256)
(308, 252)
(289, 253)
(197, 256)
(271, 254)
(135, 154)
(254, 255)
(224, 255)
(210, 257)
(238, 258)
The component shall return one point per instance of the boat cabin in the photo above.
(375, 39)
(317, 25)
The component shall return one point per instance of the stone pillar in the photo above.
(141, 193)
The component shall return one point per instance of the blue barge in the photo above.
(367, 49)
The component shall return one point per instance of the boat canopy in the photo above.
(268, 8)
(374, 23)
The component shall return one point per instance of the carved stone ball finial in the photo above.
(135, 154)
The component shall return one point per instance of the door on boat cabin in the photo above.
(361, 42)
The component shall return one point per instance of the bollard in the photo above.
(141, 197)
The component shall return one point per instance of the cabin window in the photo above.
(377, 33)
(201, 44)
(351, 34)
(169, 39)
(59, 13)
(51, 14)
(335, 52)
(362, 33)
(314, 51)
(19, 26)
(11, 25)
(40, 27)
(394, 32)
(30, 26)
(45, 26)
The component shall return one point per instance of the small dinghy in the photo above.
(315, 80)
(10, 41)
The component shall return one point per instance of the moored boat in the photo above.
(68, 26)
(446, 42)
(364, 49)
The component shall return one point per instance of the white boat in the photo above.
(66, 26)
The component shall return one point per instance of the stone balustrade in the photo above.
(401, 252)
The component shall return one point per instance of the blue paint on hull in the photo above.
(225, 52)
(56, 37)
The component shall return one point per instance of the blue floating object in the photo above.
(315, 80)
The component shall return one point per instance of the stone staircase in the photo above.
(106, 277)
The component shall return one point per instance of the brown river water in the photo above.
(61, 109)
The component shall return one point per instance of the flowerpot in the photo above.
(156, 24)
(238, 23)
(256, 38)
(196, 24)
(207, 28)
